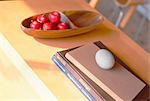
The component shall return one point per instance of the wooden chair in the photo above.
(124, 18)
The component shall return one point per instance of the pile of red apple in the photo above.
(52, 22)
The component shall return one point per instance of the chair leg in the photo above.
(127, 16)
(117, 23)
(93, 3)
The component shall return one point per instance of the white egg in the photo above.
(104, 59)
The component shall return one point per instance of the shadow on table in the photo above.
(77, 40)
(41, 65)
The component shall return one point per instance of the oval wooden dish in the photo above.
(84, 21)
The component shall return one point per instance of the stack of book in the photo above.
(97, 84)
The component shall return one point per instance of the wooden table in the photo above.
(38, 52)
(18, 81)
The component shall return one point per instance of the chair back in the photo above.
(125, 3)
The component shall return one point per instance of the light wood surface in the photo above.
(38, 52)
(17, 79)
(11, 80)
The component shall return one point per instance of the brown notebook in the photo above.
(118, 82)
(98, 93)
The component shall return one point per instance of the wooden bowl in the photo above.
(84, 21)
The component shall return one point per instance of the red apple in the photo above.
(35, 25)
(62, 26)
(54, 17)
(49, 26)
(42, 19)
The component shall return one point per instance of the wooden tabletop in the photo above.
(17, 79)
(38, 52)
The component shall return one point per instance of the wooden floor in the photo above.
(142, 37)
